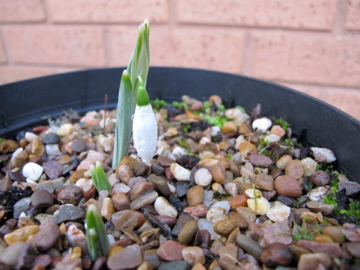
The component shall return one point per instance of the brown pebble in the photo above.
(195, 195)
(78, 145)
(288, 186)
(187, 232)
(72, 194)
(42, 198)
(128, 258)
(294, 168)
(260, 160)
(121, 201)
(277, 254)
(320, 178)
(170, 251)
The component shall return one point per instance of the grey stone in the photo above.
(69, 213)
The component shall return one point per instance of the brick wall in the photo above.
(310, 45)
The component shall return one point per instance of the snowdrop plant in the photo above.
(99, 177)
(97, 240)
(138, 67)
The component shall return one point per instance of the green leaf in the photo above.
(99, 177)
(98, 242)
(125, 110)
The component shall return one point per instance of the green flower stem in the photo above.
(99, 177)
(96, 234)
(138, 67)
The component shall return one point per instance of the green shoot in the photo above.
(96, 234)
(99, 177)
(281, 122)
(138, 67)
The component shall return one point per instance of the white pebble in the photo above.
(252, 193)
(29, 136)
(203, 177)
(262, 124)
(272, 138)
(283, 161)
(233, 113)
(258, 206)
(231, 189)
(204, 140)
(214, 130)
(279, 212)
(213, 213)
(216, 187)
(323, 154)
(179, 172)
(223, 205)
(172, 188)
(179, 151)
(318, 193)
(32, 171)
(120, 187)
(52, 150)
(164, 208)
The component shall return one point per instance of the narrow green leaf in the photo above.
(99, 177)
(125, 110)
(96, 234)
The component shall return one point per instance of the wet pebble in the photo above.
(72, 194)
(53, 169)
(288, 186)
(128, 258)
(47, 236)
(171, 251)
(193, 255)
(42, 198)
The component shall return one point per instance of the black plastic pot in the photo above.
(27, 103)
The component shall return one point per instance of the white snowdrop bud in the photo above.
(145, 130)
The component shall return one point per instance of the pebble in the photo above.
(351, 232)
(288, 186)
(195, 195)
(51, 138)
(278, 232)
(164, 208)
(193, 255)
(238, 200)
(225, 227)
(323, 155)
(352, 188)
(53, 169)
(318, 260)
(32, 171)
(262, 124)
(47, 236)
(318, 193)
(320, 178)
(77, 238)
(247, 217)
(182, 188)
(294, 168)
(21, 206)
(72, 194)
(107, 208)
(278, 212)
(283, 161)
(330, 248)
(260, 160)
(198, 211)
(37, 147)
(42, 198)
(141, 188)
(121, 201)
(277, 254)
(120, 187)
(148, 199)
(265, 182)
(207, 225)
(161, 184)
(125, 220)
(8, 146)
(171, 251)
(316, 206)
(203, 177)
(180, 222)
(18, 255)
(223, 205)
(69, 213)
(178, 265)
(19, 158)
(335, 233)
(187, 232)
(128, 258)
(277, 130)
(21, 234)
(180, 173)
(309, 166)
(65, 130)
(52, 150)
(354, 249)
(258, 206)
(78, 145)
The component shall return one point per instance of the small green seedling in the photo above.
(99, 177)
